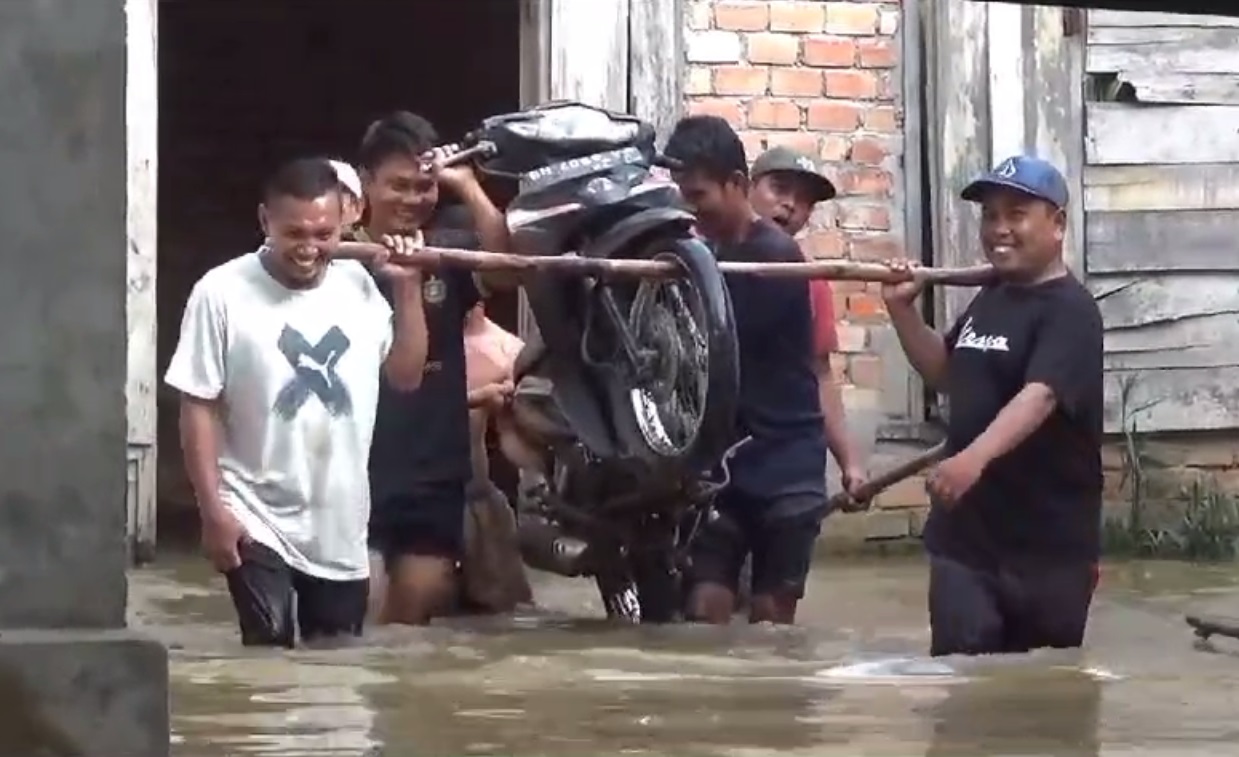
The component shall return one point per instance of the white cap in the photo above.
(347, 175)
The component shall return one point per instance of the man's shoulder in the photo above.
(1068, 298)
(769, 243)
(230, 277)
(353, 273)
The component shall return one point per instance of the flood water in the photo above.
(851, 680)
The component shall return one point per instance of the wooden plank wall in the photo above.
(1161, 195)
(142, 124)
(1003, 79)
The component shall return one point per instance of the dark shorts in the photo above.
(1022, 606)
(781, 546)
(429, 523)
(268, 595)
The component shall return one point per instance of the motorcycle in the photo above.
(639, 378)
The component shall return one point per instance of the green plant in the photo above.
(1203, 523)
(1133, 458)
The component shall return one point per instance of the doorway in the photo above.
(246, 86)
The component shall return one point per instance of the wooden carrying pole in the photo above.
(887, 479)
(610, 268)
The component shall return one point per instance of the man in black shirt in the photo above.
(1014, 531)
(775, 504)
(420, 454)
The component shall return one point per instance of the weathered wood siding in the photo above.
(142, 124)
(1161, 198)
(1004, 79)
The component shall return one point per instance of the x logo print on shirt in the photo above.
(314, 373)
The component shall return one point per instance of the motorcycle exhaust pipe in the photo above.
(545, 547)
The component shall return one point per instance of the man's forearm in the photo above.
(1023, 415)
(493, 235)
(406, 361)
(830, 396)
(924, 347)
(200, 450)
(491, 226)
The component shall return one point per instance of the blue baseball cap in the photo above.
(1023, 173)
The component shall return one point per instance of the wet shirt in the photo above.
(421, 438)
(779, 404)
(1044, 497)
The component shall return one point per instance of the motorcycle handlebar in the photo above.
(668, 162)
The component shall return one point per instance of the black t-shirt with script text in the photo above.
(421, 438)
(1043, 498)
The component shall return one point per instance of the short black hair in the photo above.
(709, 145)
(301, 179)
(400, 133)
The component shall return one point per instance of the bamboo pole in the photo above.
(610, 268)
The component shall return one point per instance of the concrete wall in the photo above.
(62, 311)
(72, 680)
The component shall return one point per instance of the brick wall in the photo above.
(818, 76)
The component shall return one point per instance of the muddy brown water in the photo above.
(851, 680)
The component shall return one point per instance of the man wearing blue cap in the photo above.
(1014, 531)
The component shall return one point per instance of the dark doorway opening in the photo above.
(245, 86)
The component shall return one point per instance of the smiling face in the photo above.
(1022, 235)
(785, 198)
(301, 235)
(400, 194)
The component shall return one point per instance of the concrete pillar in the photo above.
(73, 680)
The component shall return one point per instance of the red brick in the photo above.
(833, 115)
(876, 247)
(865, 307)
(829, 52)
(798, 16)
(877, 53)
(768, 113)
(700, 81)
(852, 19)
(852, 85)
(825, 244)
(740, 80)
(866, 217)
(882, 119)
(727, 108)
(800, 141)
(840, 300)
(834, 148)
(869, 151)
(865, 371)
(866, 180)
(754, 143)
(796, 82)
(740, 16)
(838, 367)
(773, 48)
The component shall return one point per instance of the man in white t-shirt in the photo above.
(278, 368)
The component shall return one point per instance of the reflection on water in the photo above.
(852, 680)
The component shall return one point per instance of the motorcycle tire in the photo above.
(707, 296)
(646, 595)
